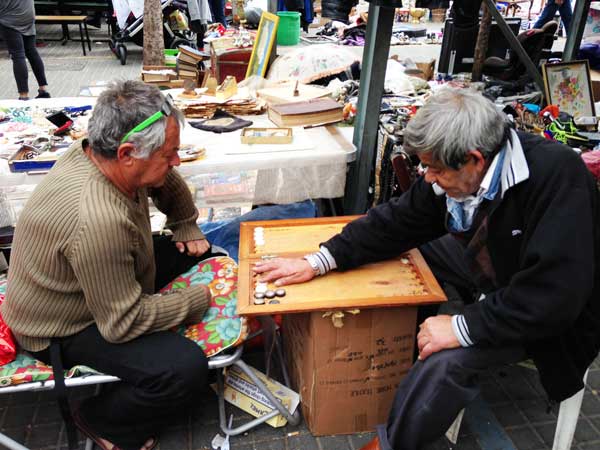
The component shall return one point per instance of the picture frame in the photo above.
(568, 85)
(263, 44)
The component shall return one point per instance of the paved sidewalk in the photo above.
(514, 412)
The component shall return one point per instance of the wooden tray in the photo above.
(402, 281)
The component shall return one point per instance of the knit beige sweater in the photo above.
(82, 253)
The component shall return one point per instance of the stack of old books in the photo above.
(317, 111)
(190, 63)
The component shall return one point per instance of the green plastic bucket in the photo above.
(288, 31)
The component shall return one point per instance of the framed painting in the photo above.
(263, 44)
(568, 85)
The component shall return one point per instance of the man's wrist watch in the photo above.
(313, 264)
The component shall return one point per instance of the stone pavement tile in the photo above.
(334, 443)
(16, 433)
(588, 446)
(591, 404)
(278, 444)
(48, 413)
(266, 432)
(22, 398)
(524, 438)
(536, 410)
(444, 444)
(508, 415)
(593, 379)
(44, 436)
(19, 415)
(585, 431)
(202, 435)
(493, 393)
(594, 420)
(177, 439)
(360, 439)
(238, 446)
(546, 432)
(302, 442)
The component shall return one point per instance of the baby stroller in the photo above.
(176, 32)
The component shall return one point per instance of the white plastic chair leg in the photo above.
(452, 433)
(568, 414)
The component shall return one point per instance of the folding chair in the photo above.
(25, 374)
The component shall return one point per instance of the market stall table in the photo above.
(313, 166)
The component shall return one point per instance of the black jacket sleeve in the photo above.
(391, 228)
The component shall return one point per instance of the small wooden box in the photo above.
(267, 136)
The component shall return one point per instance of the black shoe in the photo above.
(42, 94)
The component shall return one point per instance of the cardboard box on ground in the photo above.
(347, 377)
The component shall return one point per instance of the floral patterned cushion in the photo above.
(220, 328)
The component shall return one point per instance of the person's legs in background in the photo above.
(297, 5)
(16, 49)
(37, 65)
(217, 11)
(547, 14)
(566, 14)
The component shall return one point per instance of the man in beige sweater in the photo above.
(84, 270)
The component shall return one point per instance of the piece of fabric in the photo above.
(221, 122)
(85, 248)
(221, 327)
(308, 64)
(21, 47)
(18, 15)
(8, 348)
(543, 245)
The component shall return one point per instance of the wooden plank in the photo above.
(402, 281)
(74, 19)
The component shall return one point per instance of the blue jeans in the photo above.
(218, 13)
(549, 11)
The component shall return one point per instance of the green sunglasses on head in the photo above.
(165, 111)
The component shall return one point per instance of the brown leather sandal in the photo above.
(85, 429)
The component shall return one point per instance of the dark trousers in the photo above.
(19, 48)
(435, 390)
(217, 10)
(163, 373)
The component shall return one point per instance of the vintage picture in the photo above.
(568, 86)
(265, 37)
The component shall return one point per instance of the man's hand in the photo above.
(436, 334)
(284, 271)
(194, 248)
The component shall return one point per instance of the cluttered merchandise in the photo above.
(295, 126)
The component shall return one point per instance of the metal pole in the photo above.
(374, 63)
(575, 34)
(532, 70)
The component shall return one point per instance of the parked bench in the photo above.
(65, 21)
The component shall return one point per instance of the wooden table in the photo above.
(402, 281)
(65, 21)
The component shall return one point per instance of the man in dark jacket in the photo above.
(511, 215)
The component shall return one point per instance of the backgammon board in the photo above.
(402, 281)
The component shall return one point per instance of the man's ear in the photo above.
(124, 153)
(477, 157)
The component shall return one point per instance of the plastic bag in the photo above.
(8, 349)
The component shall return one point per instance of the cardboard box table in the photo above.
(346, 376)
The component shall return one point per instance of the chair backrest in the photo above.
(549, 30)
(532, 42)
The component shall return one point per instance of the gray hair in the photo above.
(454, 122)
(120, 108)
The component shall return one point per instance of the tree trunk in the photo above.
(154, 45)
(482, 44)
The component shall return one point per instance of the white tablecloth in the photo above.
(287, 174)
